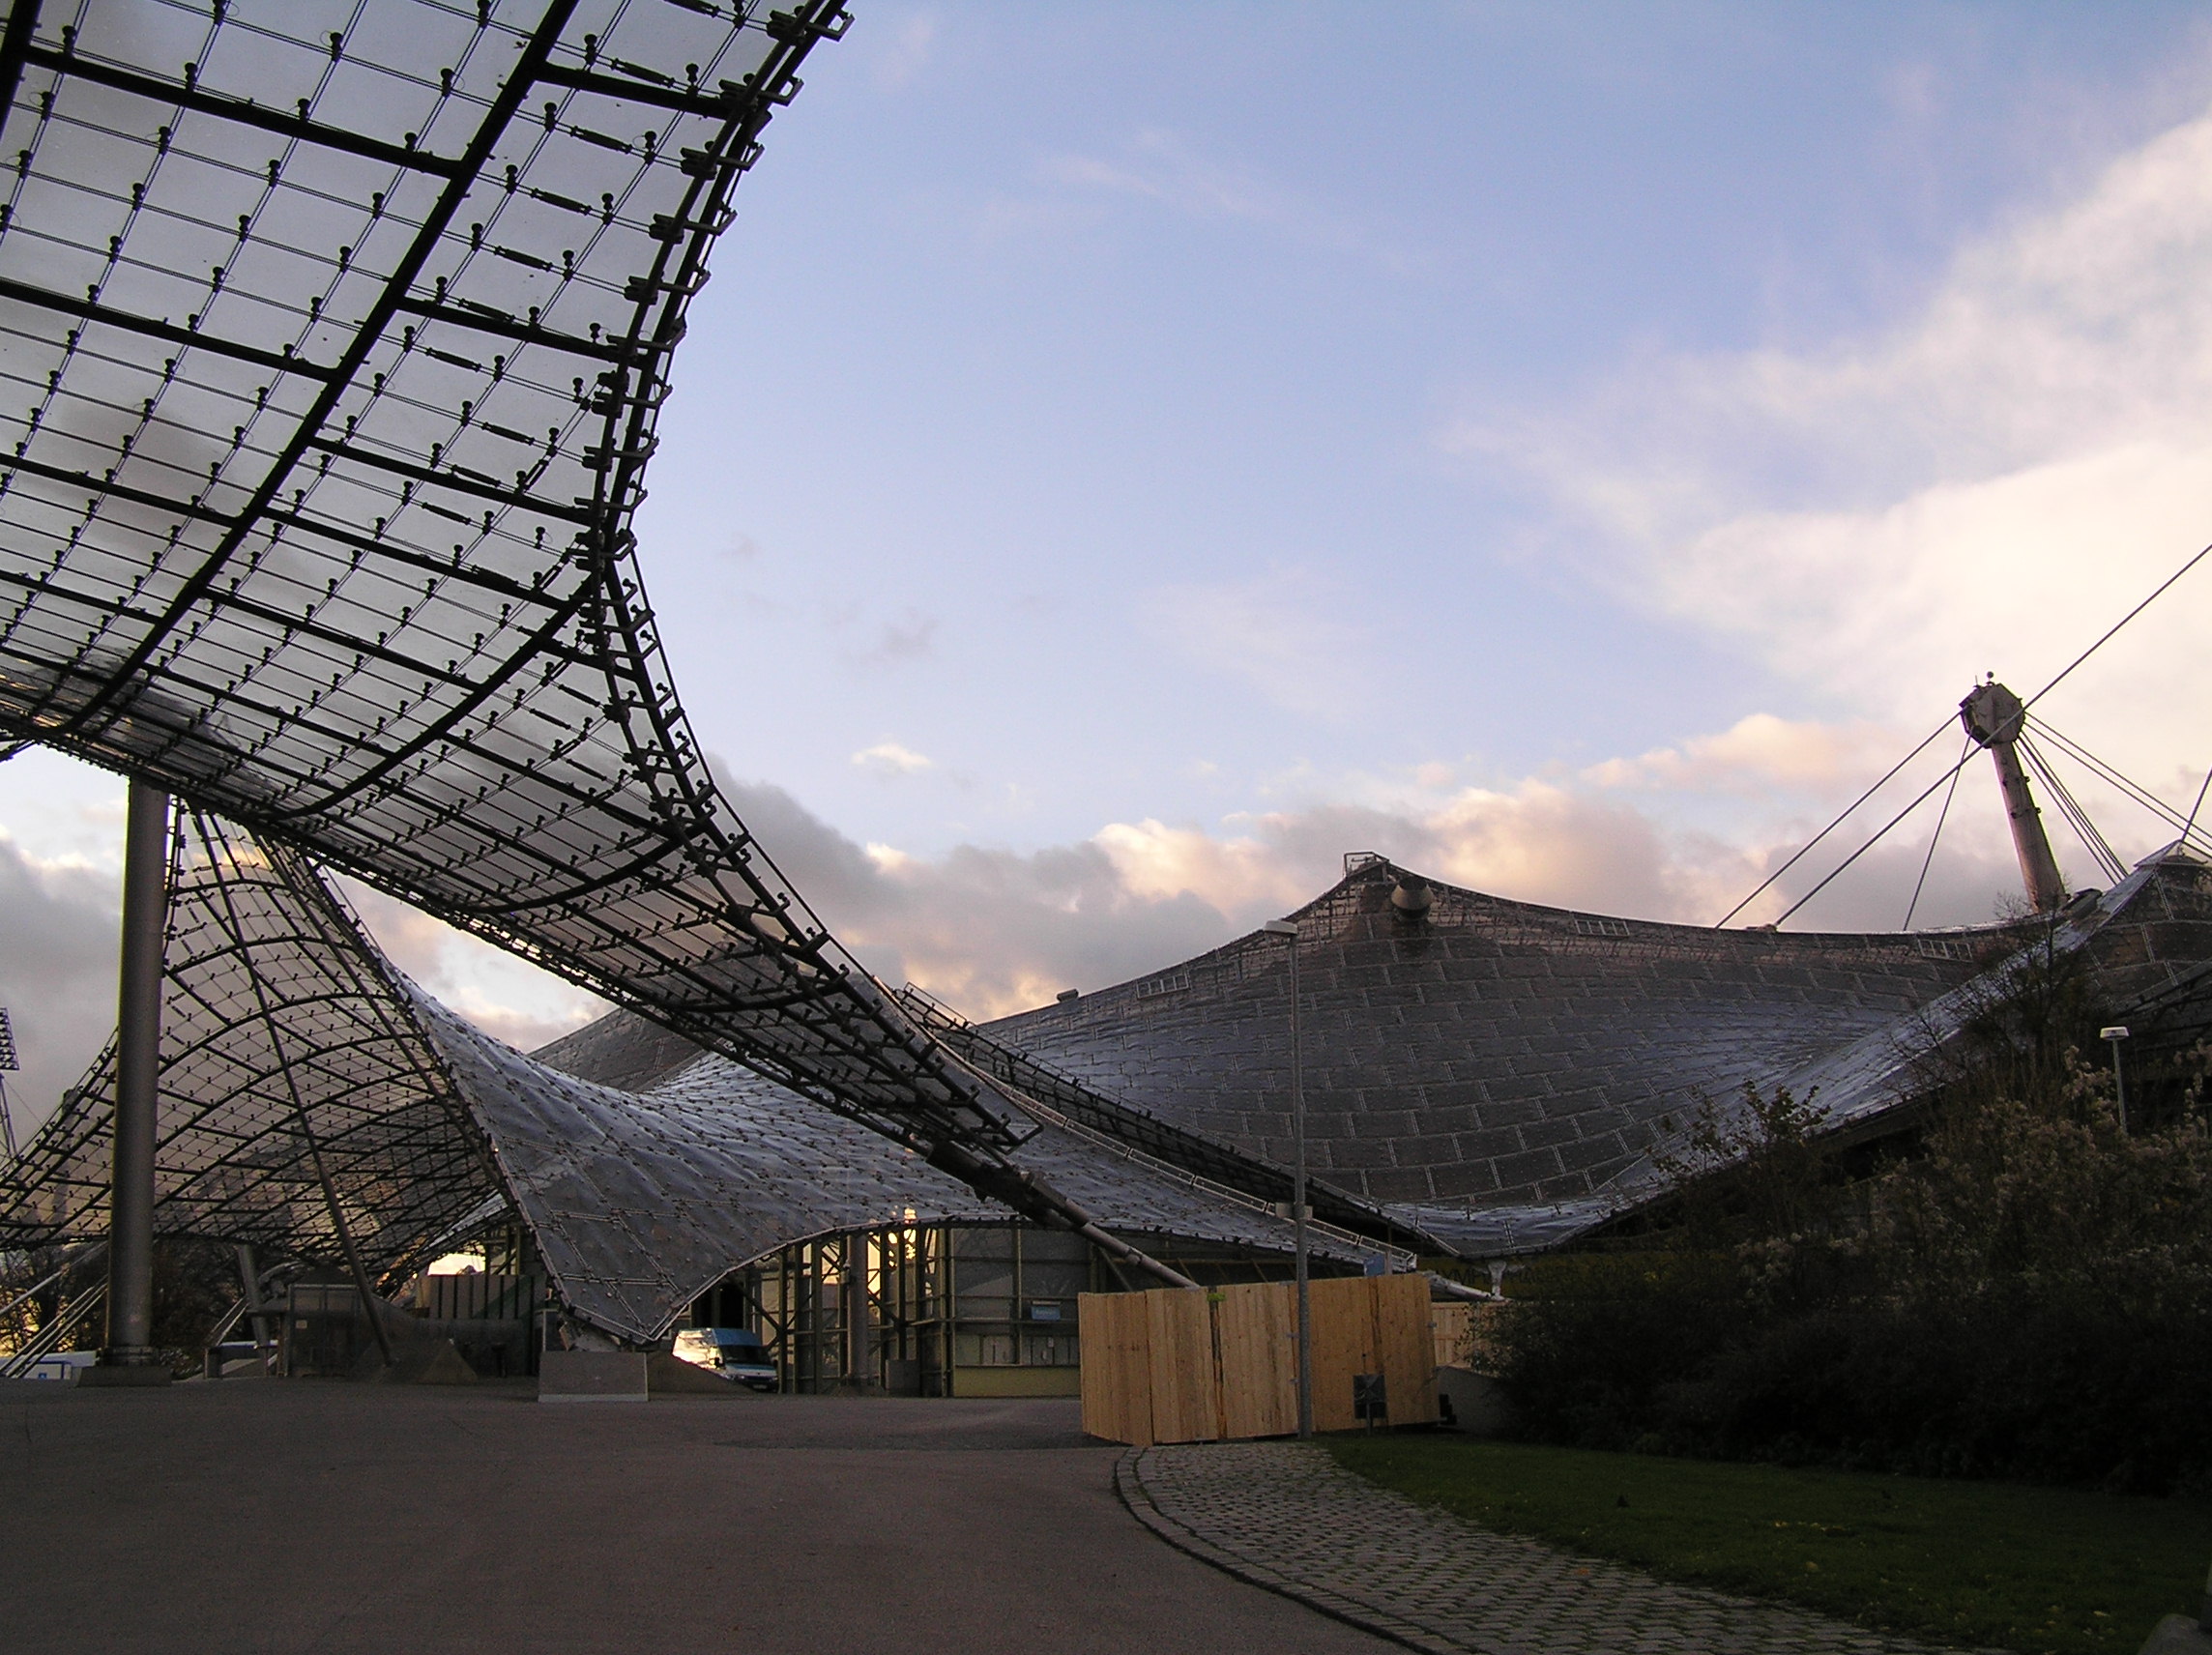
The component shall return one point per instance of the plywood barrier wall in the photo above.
(1183, 1365)
(1186, 1389)
(1259, 1346)
(1116, 1366)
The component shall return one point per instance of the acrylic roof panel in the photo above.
(332, 338)
(1490, 1053)
(281, 1047)
(1165, 1142)
(1499, 1074)
(639, 1202)
(294, 1053)
(619, 1050)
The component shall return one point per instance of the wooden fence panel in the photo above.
(1405, 1347)
(1176, 1366)
(1186, 1385)
(1116, 1366)
(1258, 1323)
(1343, 1345)
(1453, 1330)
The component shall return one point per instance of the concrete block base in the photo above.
(427, 1362)
(135, 1377)
(591, 1375)
(672, 1376)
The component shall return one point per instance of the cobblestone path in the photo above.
(1284, 1516)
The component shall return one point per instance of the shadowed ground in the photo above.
(319, 1516)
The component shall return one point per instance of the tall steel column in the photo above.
(1995, 717)
(137, 1076)
(858, 1368)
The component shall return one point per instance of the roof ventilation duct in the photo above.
(1411, 896)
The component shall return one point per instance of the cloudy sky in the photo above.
(1129, 456)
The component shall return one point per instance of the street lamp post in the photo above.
(2114, 1035)
(1289, 930)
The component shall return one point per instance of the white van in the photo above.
(734, 1353)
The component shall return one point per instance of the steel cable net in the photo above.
(282, 1045)
(640, 1202)
(332, 341)
(294, 1052)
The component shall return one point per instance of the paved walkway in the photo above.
(1287, 1517)
(311, 1517)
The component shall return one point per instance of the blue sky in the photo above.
(1081, 412)
(1128, 456)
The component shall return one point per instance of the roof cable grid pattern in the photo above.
(278, 1045)
(1192, 1152)
(288, 1037)
(1490, 1053)
(332, 341)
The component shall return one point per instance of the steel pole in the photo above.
(249, 1275)
(856, 1363)
(1995, 718)
(138, 1079)
(1299, 1203)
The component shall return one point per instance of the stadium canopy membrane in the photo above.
(332, 338)
(1506, 1075)
(305, 1083)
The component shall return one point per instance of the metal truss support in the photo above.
(371, 1305)
(138, 1069)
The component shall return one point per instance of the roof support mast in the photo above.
(1995, 717)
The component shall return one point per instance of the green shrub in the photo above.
(2027, 1294)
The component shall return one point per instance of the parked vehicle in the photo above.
(737, 1354)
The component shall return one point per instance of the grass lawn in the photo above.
(1974, 1564)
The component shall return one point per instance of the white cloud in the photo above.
(1535, 841)
(60, 924)
(907, 50)
(1985, 486)
(1760, 753)
(889, 759)
(1161, 166)
(1157, 165)
(907, 639)
(992, 930)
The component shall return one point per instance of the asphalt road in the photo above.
(321, 1516)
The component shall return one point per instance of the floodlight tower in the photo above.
(1995, 717)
